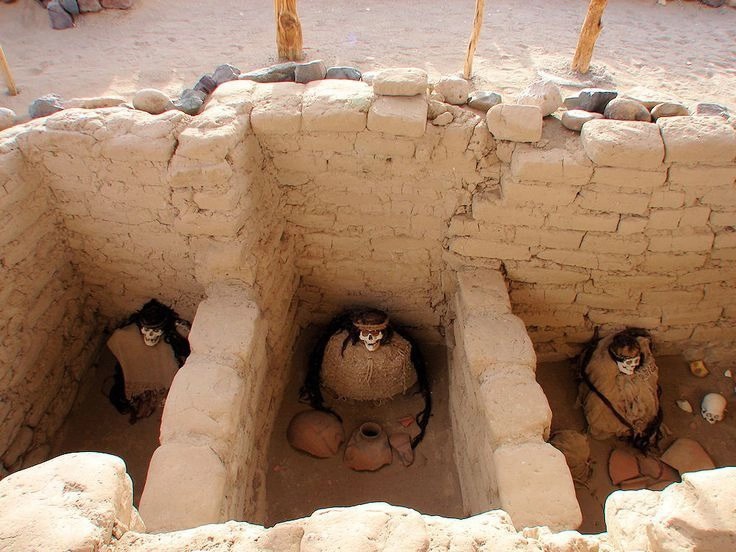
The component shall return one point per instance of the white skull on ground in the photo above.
(151, 336)
(713, 407)
(371, 339)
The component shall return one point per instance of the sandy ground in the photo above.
(684, 50)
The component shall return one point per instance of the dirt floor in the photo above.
(95, 425)
(719, 440)
(297, 483)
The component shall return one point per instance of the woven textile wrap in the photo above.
(144, 368)
(362, 375)
(634, 397)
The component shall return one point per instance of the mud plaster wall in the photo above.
(47, 327)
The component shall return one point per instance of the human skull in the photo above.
(713, 407)
(371, 339)
(151, 336)
(628, 365)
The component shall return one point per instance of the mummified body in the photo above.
(623, 370)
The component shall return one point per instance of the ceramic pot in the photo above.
(368, 448)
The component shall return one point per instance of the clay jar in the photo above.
(368, 448)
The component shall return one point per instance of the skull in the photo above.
(151, 336)
(628, 365)
(713, 407)
(371, 339)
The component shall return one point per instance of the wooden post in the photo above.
(477, 24)
(8, 76)
(588, 35)
(288, 30)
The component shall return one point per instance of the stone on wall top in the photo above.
(707, 140)
(516, 123)
(631, 144)
(232, 93)
(336, 105)
(398, 81)
(278, 108)
(400, 116)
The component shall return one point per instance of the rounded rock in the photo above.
(545, 95)
(45, 105)
(310, 71)
(152, 101)
(7, 118)
(225, 73)
(454, 89)
(347, 73)
(595, 99)
(443, 119)
(624, 109)
(484, 100)
(70, 6)
(668, 109)
(60, 18)
(576, 118)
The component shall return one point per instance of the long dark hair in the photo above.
(311, 391)
(155, 314)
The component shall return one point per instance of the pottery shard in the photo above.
(576, 118)
(454, 89)
(624, 109)
(544, 94)
(317, 433)
(400, 82)
(687, 455)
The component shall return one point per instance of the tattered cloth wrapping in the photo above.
(360, 374)
(635, 397)
(144, 368)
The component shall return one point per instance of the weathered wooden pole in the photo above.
(288, 30)
(477, 24)
(8, 76)
(588, 35)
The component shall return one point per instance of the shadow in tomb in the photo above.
(95, 425)
(560, 385)
(298, 483)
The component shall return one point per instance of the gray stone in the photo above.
(576, 118)
(483, 100)
(595, 99)
(45, 105)
(116, 4)
(544, 94)
(711, 109)
(283, 72)
(571, 102)
(668, 109)
(86, 6)
(190, 101)
(70, 6)
(7, 118)
(454, 89)
(349, 73)
(60, 18)
(624, 109)
(206, 84)
(152, 101)
(311, 71)
(225, 73)
(713, 3)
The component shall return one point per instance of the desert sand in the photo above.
(683, 50)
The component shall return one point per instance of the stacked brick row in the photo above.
(48, 327)
(500, 416)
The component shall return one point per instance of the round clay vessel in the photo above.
(368, 448)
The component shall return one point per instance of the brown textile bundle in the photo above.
(359, 374)
(635, 397)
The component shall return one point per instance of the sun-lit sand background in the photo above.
(683, 50)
